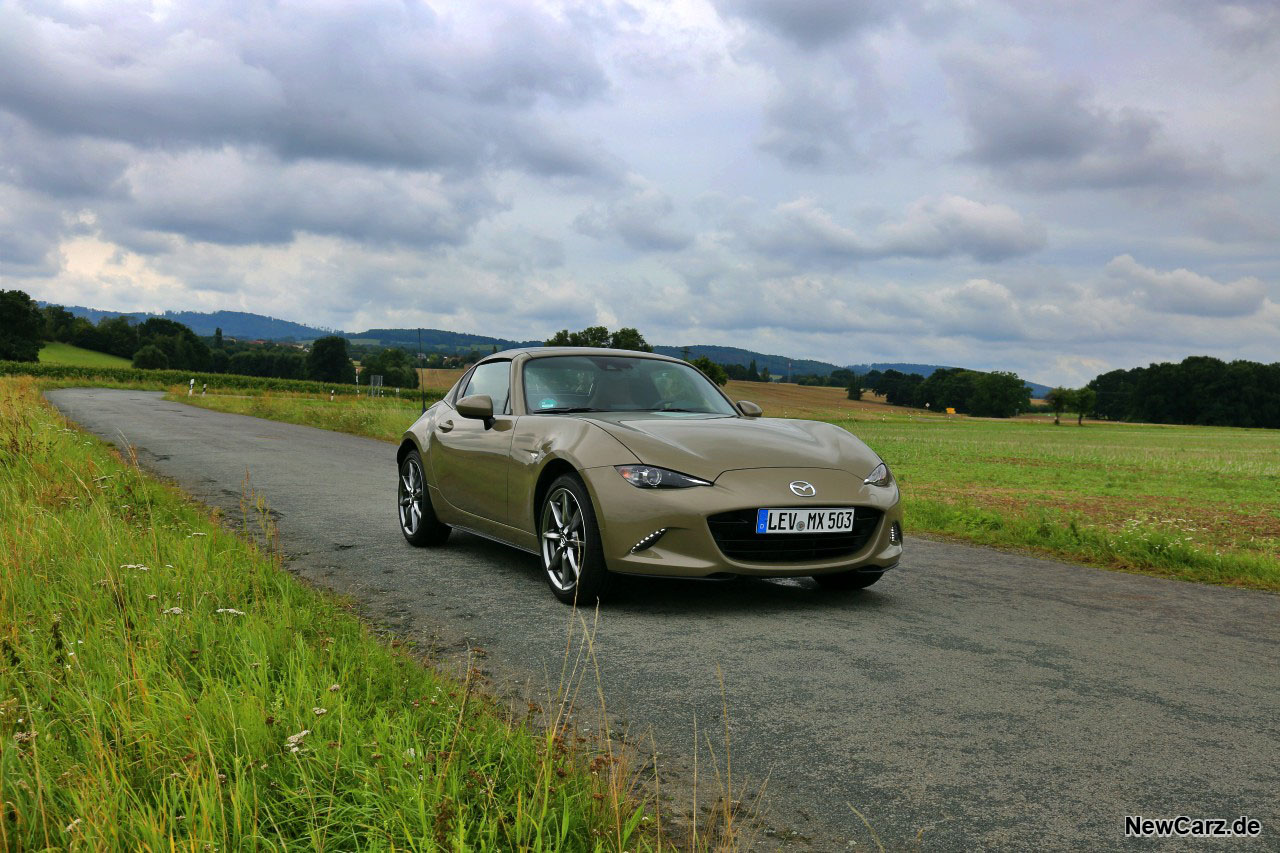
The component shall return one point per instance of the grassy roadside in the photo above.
(377, 417)
(1194, 503)
(164, 685)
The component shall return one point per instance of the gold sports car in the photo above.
(605, 461)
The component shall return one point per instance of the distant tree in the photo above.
(714, 372)
(118, 336)
(328, 361)
(1059, 400)
(218, 361)
(217, 338)
(592, 336)
(150, 357)
(395, 366)
(854, 389)
(753, 374)
(999, 394)
(181, 346)
(57, 323)
(22, 327)
(764, 375)
(735, 371)
(1084, 399)
(629, 338)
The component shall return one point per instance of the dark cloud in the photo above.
(810, 23)
(1037, 132)
(378, 82)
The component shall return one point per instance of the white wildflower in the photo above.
(230, 610)
(137, 566)
(294, 742)
(74, 825)
(319, 712)
(173, 611)
(410, 753)
(334, 688)
(152, 597)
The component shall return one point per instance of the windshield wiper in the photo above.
(567, 410)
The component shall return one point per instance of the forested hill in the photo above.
(234, 324)
(246, 326)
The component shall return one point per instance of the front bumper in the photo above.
(628, 516)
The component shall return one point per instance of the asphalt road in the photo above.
(972, 699)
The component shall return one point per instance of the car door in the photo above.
(470, 458)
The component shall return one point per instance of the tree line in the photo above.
(1199, 390)
(997, 394)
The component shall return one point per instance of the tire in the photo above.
(576, 572)
(418, 521)
(848, 580)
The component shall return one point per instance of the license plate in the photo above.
(821, 520)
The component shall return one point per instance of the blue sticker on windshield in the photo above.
(548, 403)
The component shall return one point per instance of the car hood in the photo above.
(706, 447)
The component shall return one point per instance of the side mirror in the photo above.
(478, 406)
(750, 409)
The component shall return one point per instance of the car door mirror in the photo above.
(750, 409)
(478, 406)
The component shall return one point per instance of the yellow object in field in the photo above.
(950, 411)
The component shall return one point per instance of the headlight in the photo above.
(879, 477)
(649, 477)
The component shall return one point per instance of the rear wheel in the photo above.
(848, 580)
(572, 555)
(418, 521)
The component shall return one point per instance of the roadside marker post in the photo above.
(330, 395)
(191, 387)
(204, 386)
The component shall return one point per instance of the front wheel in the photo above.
(848, 580)
(418, 521)
(572, 555)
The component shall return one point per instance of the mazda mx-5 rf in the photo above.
(606, 462)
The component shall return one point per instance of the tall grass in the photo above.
(92, 374)
(374, 417)
(165, 685)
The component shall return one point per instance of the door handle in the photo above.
(445, 426)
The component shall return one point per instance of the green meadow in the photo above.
(60, 353)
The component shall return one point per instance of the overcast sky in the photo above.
(1055, 187)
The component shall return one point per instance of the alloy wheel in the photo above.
(563, 539)
(411, 487)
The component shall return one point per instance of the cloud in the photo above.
(810, 23)
(931, 228)
(1038, 132)
(390, 84)
(1182, 291)
(238, 197)
(641, 218)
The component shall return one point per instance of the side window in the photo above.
(492, 378)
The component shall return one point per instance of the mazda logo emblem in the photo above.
(803, 489)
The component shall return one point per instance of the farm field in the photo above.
(1196, 503)
(164, 684)
(55, 352)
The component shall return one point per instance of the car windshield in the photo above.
(595, 383)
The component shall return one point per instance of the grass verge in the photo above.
(164, 685)
(374, 417)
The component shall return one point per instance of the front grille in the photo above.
(735, 533)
